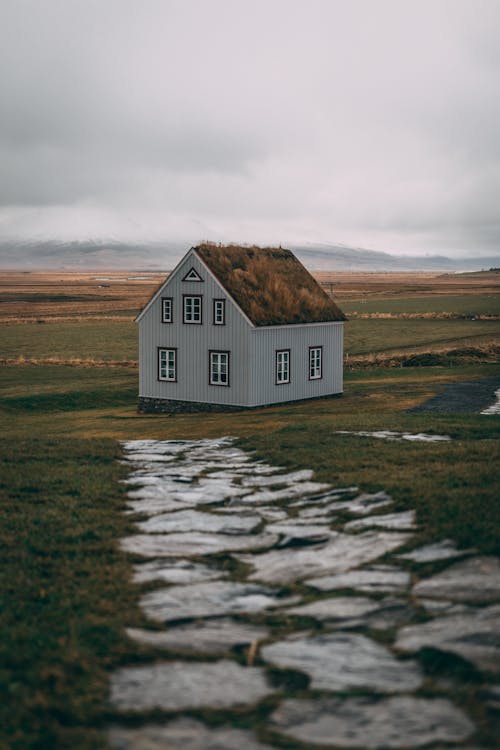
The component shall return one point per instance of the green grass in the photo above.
(65, 590)
(102, 340)
(66, 587)
(462, 304)
(365, 336)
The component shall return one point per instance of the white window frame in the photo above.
(167, 304)
(219, 312)
(315, 362)
(282, 367)
(167, 364)
(218, 368)
(193, 317)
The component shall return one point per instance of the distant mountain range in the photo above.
(91, 254)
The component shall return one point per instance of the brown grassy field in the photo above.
(48, 295)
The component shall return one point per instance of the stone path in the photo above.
(283, 611)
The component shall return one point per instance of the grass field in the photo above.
(66, 590)
(460, 304)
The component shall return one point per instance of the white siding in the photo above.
(297, 338)
(252, 350)
(193, 343)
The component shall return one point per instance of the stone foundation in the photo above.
(147, 405)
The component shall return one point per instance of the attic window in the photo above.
(192, 275)
(219, 312)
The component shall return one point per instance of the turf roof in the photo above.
(269, 284)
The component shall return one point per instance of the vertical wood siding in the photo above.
(252, 359)
(298, 338)
(193, 343)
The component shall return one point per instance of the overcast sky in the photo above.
(374, 123)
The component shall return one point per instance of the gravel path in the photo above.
(467, 397)
(302, 606)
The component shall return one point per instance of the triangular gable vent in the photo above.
(192, 275)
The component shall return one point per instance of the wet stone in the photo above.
(398, 722)
(474, 635)
(175, 572)
(363, 504)
(342, 553)
(277, 479)
(297, 531)
(193, 544)
(473, 580)
(209, 600)
(177, 685)
(444, 550)
(182, 734)
(400, 521)
(377, 578)
(344, 661)
(193, 520)
(335, 608)
(415, 437)
(213, 637)
(297, 489)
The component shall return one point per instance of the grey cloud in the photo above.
(352, 122)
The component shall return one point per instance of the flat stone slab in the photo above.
(400, 521)
(398, 722)
(298, 489)
(298, 531)
(195, 520)
(375, 579)
(177, 685)
(335, 608)
(474, 580)
(344, 661)
(193, 544)
(342, 553)
(362, 504)
(474, 635)
(276, 479)
(445, 550)
(211, 637)
(182, 734)
(414, 437)
(175, 572)
(208, 600)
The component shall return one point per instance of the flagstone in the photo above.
(193, 544)
(377, 578)
(344, 661)
(368, 723)
(209, 599)
(342, 553)
(473, 580)
(474, 635)
(178, 685)
(182, 734)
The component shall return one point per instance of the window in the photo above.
(218, 368)
(192, 275)
(282, 366)
(167, 365)
(315, 362)
(166, 309)
(219, 312)
(192, 309)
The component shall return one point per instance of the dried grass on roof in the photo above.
(269, 284)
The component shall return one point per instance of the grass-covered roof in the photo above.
(269, 284)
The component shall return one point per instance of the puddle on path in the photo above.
(250, 572)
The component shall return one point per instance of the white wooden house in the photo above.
(235, 327)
